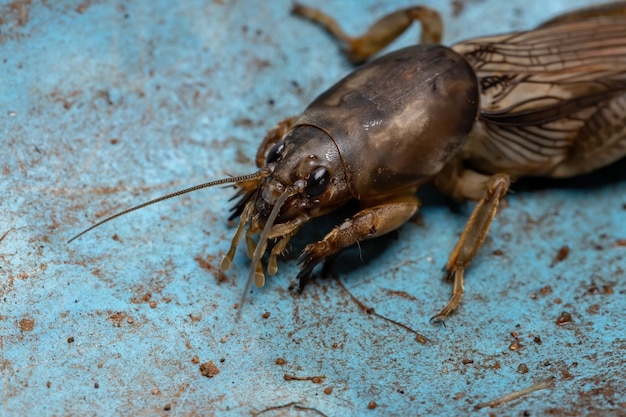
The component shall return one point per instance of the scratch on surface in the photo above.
(5, 234)
(289, 405)
(543, 384)
(420, 338)
(20, 163)
(5, 375)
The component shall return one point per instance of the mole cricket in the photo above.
(470, 118)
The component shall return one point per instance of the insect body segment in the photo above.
(470, 118)
(551, 102)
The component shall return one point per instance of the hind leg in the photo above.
(381, 33)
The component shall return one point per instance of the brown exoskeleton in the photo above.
(470, 118)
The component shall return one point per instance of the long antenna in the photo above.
(243, 178)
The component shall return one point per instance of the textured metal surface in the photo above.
(106, 104)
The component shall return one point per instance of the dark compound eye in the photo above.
(317, 182)
(275, 152)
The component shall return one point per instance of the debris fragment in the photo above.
(543, 384)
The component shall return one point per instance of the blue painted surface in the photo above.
(107, 104)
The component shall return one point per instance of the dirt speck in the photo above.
(402, 294)
(117, 318)
(26, 325)
(317, 379)
(564, 318)
(620, 242)
(561, 255)
(209, 369)
(82, 7)
(547, 290)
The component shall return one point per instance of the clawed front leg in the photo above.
(473, 235)
(366, 224)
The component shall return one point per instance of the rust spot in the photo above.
(143, 299)
(26, 325)
(328, 390)
(280, 361)
(208, 266)
(372, 405)
(18, 10)
(457, 8)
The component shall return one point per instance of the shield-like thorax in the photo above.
(398, 119)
